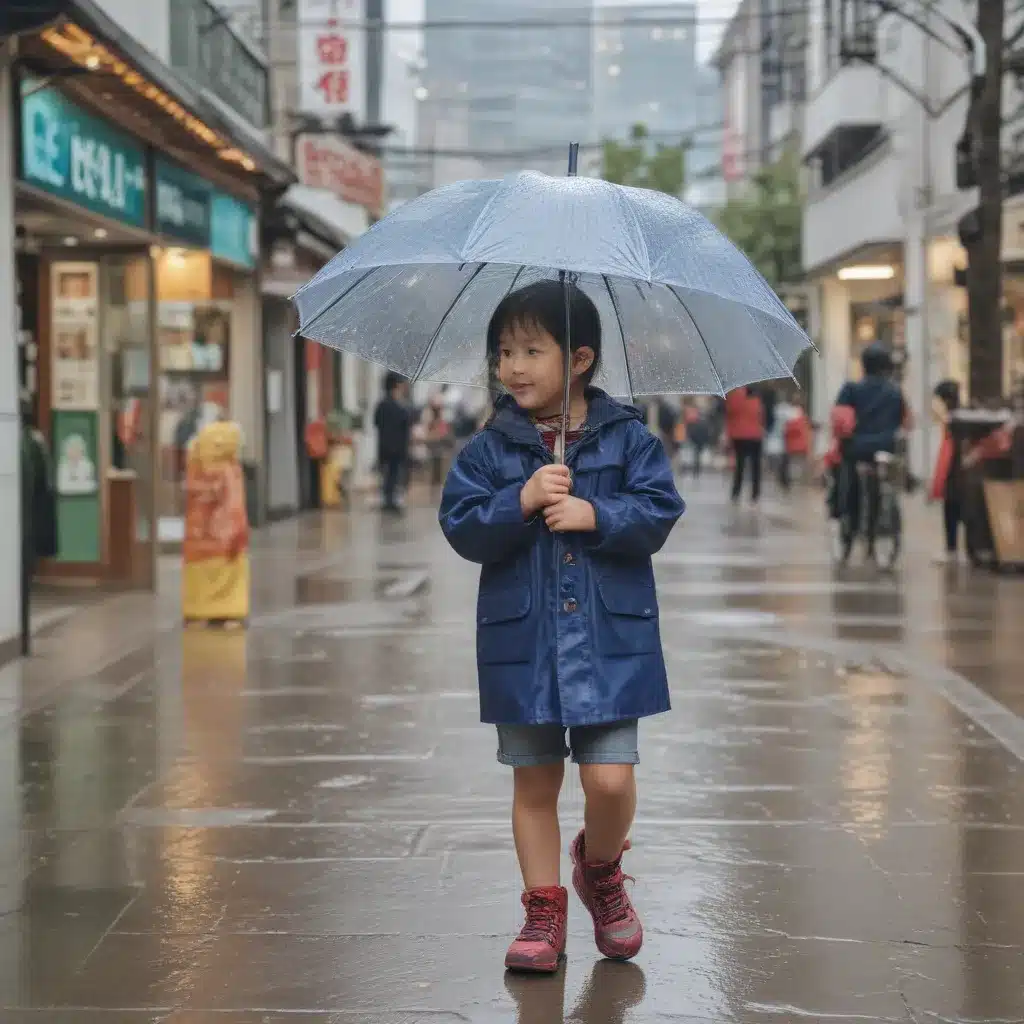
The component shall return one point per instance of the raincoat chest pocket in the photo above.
(598, 473)
(629, 623)
(503, 633)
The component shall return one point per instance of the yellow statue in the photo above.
(215, 580)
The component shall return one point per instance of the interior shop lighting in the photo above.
(100, 233)
(77, 45)
(867, 272)
(70, 240)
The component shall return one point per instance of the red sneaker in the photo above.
(541, 943)
(602, 889)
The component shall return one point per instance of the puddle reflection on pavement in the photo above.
(306, 823)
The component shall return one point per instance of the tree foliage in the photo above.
(661, 167)
(766, 220)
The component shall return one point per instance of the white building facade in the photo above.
(880, 232)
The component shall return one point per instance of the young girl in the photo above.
(567, 618)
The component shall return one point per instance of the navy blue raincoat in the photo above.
(567, 624)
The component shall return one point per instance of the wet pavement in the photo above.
(305, 823)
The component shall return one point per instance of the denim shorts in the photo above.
(523, 746)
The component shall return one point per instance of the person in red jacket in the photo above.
(796, 438)
(744, 426)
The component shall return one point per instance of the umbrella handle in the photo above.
(567, 283)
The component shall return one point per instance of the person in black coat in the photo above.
(393, 420)
(38, 512)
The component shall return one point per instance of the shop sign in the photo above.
(332, 58)
(233, 231)
(328, 162)
(77, 157)
(182, 204)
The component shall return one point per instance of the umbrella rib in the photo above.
(622, 334)
(771, 345)
(337, 298)
(443, 321)
(703, 340)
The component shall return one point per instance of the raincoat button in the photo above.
(568, 559)
(570, 606)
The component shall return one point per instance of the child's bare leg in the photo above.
(535, 822)
(610, 791)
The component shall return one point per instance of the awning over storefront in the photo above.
(18, 16)
(95, 59)
(306, 228)
(342, 221)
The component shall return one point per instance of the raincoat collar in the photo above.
(602, 411)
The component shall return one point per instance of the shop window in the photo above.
(194, 307)
(126, 338)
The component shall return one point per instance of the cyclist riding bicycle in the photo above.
(879, 412)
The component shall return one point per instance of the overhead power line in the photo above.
(544, 24)
(684, 137)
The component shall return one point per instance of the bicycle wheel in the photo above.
(845, 532)
(888, 538)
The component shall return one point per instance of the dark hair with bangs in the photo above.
(543, 305)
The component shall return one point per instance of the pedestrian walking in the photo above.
(947, 479)
(668, 419)
(698, 434)
(797, 434)
(438, 440)
(744, 427)
(776, 413)
(393, 420)
(592, 664)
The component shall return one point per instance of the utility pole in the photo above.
(984, 237)
(917, 287)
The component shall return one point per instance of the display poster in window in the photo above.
(194, 338)
(77, 472)
(74, 333)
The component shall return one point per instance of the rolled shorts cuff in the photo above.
(527, 746)
(530, 760)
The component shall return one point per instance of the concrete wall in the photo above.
(247, 364)
(10, 441)
(149, 21)
(860, 209)
(282, 441)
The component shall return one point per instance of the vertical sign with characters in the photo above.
(332, 58)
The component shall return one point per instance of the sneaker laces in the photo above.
(543, 916)
(610, 897)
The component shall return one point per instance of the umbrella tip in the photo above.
(574, 154)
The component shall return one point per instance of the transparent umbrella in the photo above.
(682, 309)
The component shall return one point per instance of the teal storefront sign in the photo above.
(233, 231)
(183, 204)
(78, 157)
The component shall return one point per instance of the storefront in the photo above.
(308, 386)
(302, 379)
(205, 334)
(139, 296)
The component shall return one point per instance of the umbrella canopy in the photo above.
(682, 309)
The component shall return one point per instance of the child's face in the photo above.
(532, 367)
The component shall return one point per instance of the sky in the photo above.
(713, 14)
